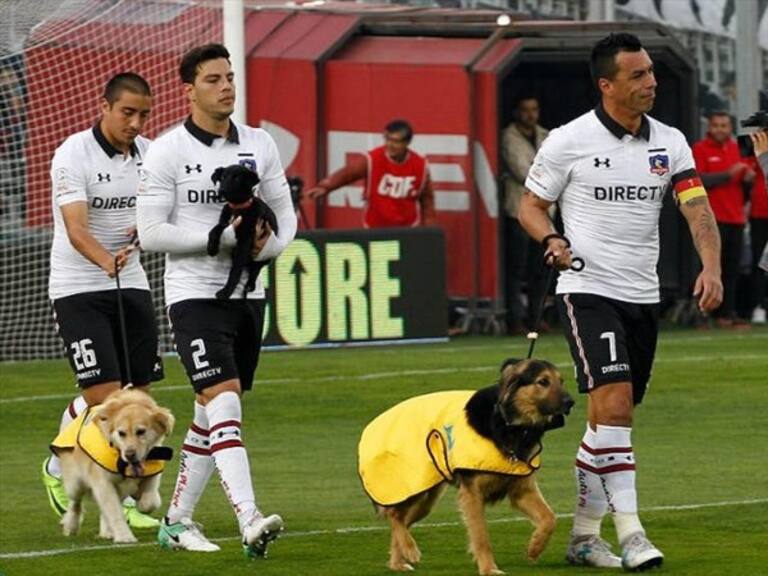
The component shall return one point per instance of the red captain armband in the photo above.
(687, 189)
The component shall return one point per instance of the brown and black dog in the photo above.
(503, 423)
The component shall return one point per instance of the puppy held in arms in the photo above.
(113, 451)
(236, 186)
(486, 443)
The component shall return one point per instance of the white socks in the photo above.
(592, 503)
(195, 468)
(615, 460)
(74, 409)
(213, 440)
(224, 417)
(605, 477)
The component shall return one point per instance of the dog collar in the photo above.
(84, 432)
(156, 453)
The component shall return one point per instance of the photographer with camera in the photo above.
(760, 147)
(724, 173)
(754, 148)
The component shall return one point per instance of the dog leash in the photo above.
(577, 265)
(121, 318)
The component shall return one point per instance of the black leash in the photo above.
(121, 320)
(123, 332)
(577, 265)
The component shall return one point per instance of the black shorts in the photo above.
(218, 340)
(88, 323)
(610, 340)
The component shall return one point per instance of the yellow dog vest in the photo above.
(418, 443)
(84, 432)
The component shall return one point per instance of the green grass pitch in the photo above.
(700, 439)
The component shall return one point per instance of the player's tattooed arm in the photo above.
(701, 221)
(706, 237)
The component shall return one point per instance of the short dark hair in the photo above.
(192, 60)
(523, 97)
(719, 112)
(602, 62)
(125, 81)
(400, 126)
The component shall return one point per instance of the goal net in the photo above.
(55, 57)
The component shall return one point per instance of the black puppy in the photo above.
(236, 184)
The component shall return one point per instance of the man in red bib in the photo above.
(398, 191)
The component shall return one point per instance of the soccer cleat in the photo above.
(138, 520)
(591, 550)
(54, 487)
(639, 554)
(259, 532)
(184, 535)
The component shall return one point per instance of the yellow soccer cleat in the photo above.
(138, 520)
(54, 487)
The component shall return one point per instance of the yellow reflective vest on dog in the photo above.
(418, 443)
(84, 432)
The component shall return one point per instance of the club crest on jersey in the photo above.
(249, 163)
(659, 164)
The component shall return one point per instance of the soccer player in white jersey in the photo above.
(94, 175)
(218, 341)
(609, 171)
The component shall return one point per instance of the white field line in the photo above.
(522, 344)
(359, 529)
(397, 374)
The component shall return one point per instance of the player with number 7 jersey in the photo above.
(609, 171)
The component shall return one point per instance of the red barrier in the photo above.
(336, 93)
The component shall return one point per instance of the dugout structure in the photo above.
(323, 81)
(326, 82)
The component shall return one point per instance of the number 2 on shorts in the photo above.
(611, 337)
(197, 355)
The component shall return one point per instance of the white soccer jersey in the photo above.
(176, 177)
(610, 186)
(87, 168)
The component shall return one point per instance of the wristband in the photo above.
(548, 237)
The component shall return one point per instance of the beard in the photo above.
(643, 104)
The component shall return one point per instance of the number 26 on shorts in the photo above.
(82, 355)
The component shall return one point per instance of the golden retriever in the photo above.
(133, 424)
(509, 418)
